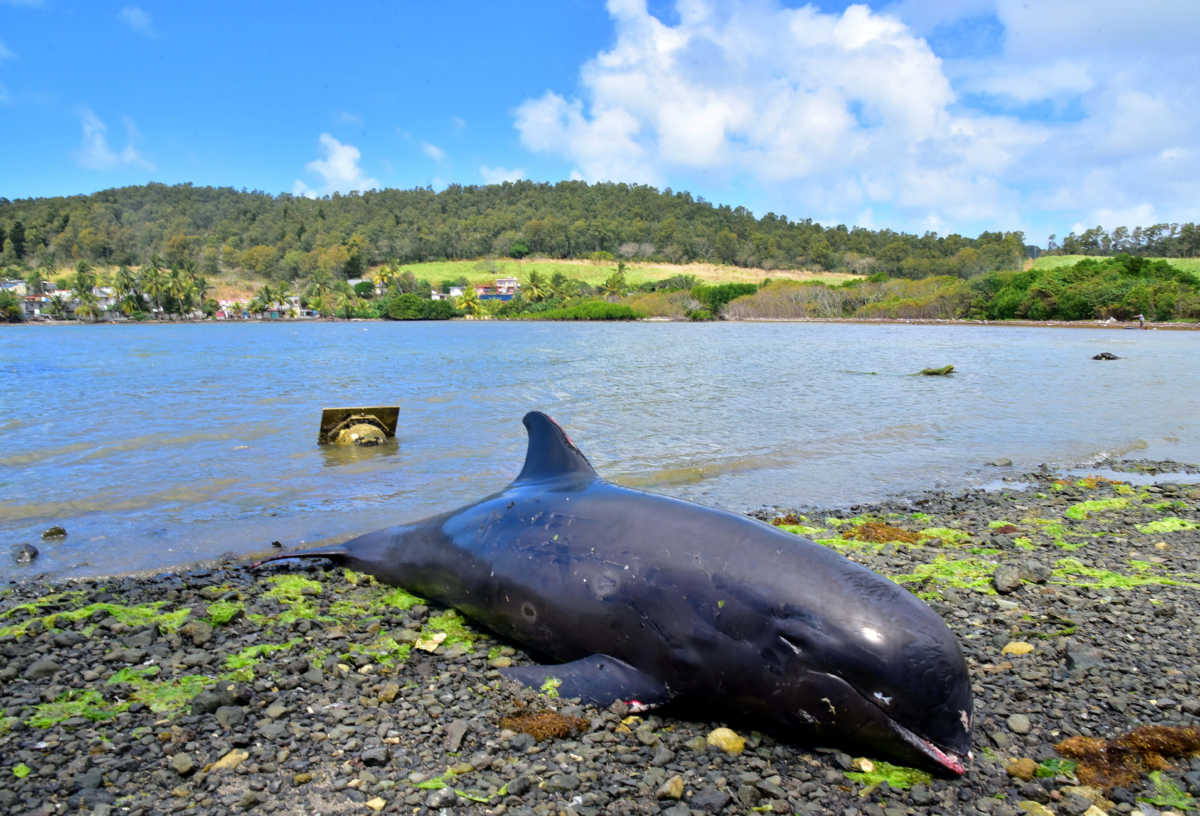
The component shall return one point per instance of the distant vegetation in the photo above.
(1120, 287)
(603, 251)
(283, 238)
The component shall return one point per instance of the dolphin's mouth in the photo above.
(947, 759)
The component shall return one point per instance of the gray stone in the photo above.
(562, 782)
(709, 799)
(183, 763)
(1019, 724)
(519, 786)
(1080, 657)
(230, 716)
(1035, 571)
(455, 731)
(375, 756)
(42, 667)
(1006, 579)
(197, 630)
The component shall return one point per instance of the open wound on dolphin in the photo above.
(632, 596)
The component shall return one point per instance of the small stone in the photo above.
(389, 691)
(375, 756)
(442, 798)
(501, 662)
(1023, 768)
(302, 778)
(1035, 808)
(561, 783)
(276, 710)
(709, 799)
(727, 740)
(42, 667)
(199, 631)
(671, 789)
(455, 732)
(519, 786)
(1081, 657)
(54, 532)
(230, 716)
(24, 554)
(376, 804)
(1017, 647)
(1006, 578)
(230, 761)
(1001, 462)
(1019, 724)
(1035, 572)
(183, 763)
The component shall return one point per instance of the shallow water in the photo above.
(154, 445)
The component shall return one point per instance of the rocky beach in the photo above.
(297, 688)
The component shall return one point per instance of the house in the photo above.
(502, 289)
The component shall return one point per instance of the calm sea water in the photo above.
(155, 445)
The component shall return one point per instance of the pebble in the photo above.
(303, 735)
(726, 739)
(1019, 724)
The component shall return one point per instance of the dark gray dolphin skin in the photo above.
(650, 599)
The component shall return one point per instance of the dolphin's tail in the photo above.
(338, 555)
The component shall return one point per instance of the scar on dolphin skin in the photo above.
(792, 635)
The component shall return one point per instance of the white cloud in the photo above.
(433, 151)
(95, 153)
(499, 175)
(348, 118)
(833, 115)
(338, 169)
(5, 52)
(137, 19)
(458, 122)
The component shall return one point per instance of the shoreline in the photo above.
(302, 689)
(881, 321)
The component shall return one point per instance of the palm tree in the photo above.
(127, 289)
(319, 288)
(558, 285)
(154, 282)
(197, 285)
(57, 307)
(535, 290)
(470, 303)
(177, 286)
(387, 275)
(615, 286)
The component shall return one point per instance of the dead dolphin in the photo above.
(650, 599)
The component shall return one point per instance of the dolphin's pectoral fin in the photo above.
(597, 679)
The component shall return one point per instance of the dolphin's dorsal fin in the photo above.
(551, 454)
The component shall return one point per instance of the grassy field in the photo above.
(241, 286)
(1055, 261)
(595, 272)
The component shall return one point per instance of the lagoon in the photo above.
(156, 445)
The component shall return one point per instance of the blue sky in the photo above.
(989, 114)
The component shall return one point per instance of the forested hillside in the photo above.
(284, 238)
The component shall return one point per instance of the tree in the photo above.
(535, 289)
(10, 308)
(128, 291)
(615, 286)
(154, 282)
(470, 303)
(83, 284)
(16, 234)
